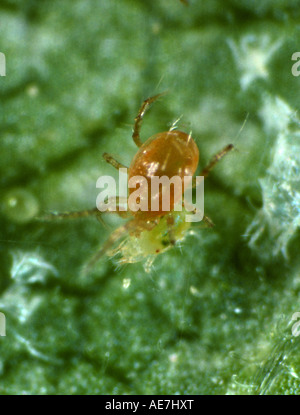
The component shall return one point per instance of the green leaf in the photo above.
(215, 315)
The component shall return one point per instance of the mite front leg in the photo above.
(113, 162)
(139, 118)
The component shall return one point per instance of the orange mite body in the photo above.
(171, 153)
(165, 165)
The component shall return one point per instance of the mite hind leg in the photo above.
(131, 227)
(199, 215)
(208, 223)
(118, 234)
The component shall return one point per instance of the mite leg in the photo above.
(115, 205)
(70, 215)
(204, 224)
(131, 227)
(110, 160)
(114, 237)
(205, 172)
(208, 222)
(119, 233)
(112, 206)
(139, 118)
(216, 159)
(170, 223)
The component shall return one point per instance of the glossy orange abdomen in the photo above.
(171, 153)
